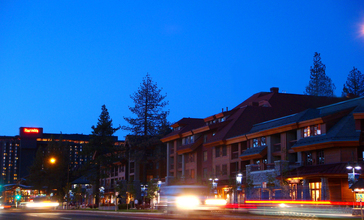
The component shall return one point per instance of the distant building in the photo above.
(18, 152)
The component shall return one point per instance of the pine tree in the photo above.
(150, 117)
(320, 84)
(354, 83)
(102, 147)
(149, 125)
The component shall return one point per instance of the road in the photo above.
(16, 214)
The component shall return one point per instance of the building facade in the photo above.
(216, 147)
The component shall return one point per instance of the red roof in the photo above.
(258, 108)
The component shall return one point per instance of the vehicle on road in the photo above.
(188, 199)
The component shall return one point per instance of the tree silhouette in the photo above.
(354, 84)
(320, 84)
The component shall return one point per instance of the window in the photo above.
(204, 172)
(192, 174)
(218, 171)
(262, 141)
(317, 130)
(217, 151)
(224, 169)
(205, 138)
(234, 151)
(312, 130)
(307, 131)
(191, 139)
(308, 158)
(191, 157)
(320, 157)
(315, 189)
(205, 156)
(255, 142)
(224, 151)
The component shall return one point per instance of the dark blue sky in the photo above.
(60, 61)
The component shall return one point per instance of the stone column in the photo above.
(269, 149)
(183, 165)
(306, 190)
(325, 193)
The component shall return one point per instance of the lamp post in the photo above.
(353, 168)
(143, 189)
(214, 184)
(352, 178)
(239, 178)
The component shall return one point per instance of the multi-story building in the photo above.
(310, 151)
(18, 152)
(9, 160)
(200, 149)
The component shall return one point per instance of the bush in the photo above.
(92, 206)
(107, 204)
(123, 206)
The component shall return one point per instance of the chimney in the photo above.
(227, 109)
(274, 89)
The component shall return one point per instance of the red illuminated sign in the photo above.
(31, 130)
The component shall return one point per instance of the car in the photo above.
(188, 199)
(23, 205)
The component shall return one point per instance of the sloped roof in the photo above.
(186, 124)
(253, 151)
(260, 107)
(344, 130)
(281, 104)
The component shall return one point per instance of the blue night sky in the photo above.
(60, 61)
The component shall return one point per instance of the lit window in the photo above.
(255, 142)
(307, 131)
(317, 130)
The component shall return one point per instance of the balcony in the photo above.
(263, 166)
(235, 155)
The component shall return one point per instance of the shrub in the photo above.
(122, 206)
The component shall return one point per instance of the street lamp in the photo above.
(144, 193)
(349, 167)
(52, 160)
(239, 178)
(351, 178)
(214, 184)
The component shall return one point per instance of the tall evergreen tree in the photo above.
(320, 84)
(102, 147)
(354, 83)
(148, 126)
(150, 118)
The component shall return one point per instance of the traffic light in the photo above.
(17, 197)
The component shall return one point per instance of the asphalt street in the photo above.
(16, 214)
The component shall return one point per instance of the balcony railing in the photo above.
(235, 155)
(259, 167)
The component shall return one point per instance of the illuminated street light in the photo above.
(52, 160)
(239, 178)
(214, 184)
